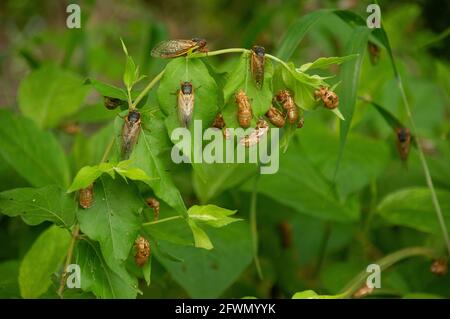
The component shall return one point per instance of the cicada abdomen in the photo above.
(130, 132)
(257, 65)
(142, 247)
(403, 141)
(245, 113)
(154, 204)
(86, 196)
(275, 116)
(186, 98)
(175, 48)
(254, 137)
(287, 101)
(329, 98)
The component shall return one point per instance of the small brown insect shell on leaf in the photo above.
(403, 141)
(154, 204)
(142, 247)
(363, 291)
(329, 98)
(275, 116)
(218, 121)
(439, 267)
(86, 196)
(301, 122)
(287, 101)
(245, 113)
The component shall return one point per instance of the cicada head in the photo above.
(186, 88)
(259, 50)
(201, 43)
(134, 116)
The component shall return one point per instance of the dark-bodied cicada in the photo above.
(245, 113)
(403, 141)
(175, 48)
(86, 196)
(257, 65)
(130, 132)
(186, 98)
(287, 101)
(112, 103)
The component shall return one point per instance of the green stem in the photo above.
(146, 90)
(253, 227)
(272, 57)
(425, 168)
(163, 220)
(385, 263)
(216, 52)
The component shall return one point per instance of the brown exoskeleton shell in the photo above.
(245, 113)
(287, 101)
(329, 98)
(154, 204)
(142, 247)
(275, 117)
(86, 196)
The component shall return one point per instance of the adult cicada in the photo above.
(403, 141)
(185, 103)
(175, 48)
(257, 65)
(130, 132)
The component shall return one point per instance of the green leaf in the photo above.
(49, 94)
(33, 153)
(174, 231)
(323, 63)
(296, 32)
(36, 205)
(9, 284)
(150, 156)
(311, 294)
(201, 239)
(413, 207)
(298, 184)
(42, 260)
(215, 269)
(241, 79)
(129, 76)
(212, 215)
(104, 280)
(350, 73)
(113, 219)
(147, 270)
(88, 174)
(219, 177)
(106, 89)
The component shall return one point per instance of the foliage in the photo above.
(341, 198)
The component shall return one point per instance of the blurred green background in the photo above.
(298, 251)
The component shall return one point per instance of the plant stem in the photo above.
(162, 220)
(216, 52)
(272, 57)
(62, 284)
(384, 263)
(426, 170)
(147, 89)
(253, 227)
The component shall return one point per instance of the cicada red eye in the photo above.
(245, 113)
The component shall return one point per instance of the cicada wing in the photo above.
(172, 48)
(130, 134)
(185, 108)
